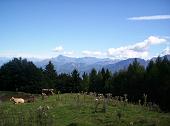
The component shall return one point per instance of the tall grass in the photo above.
(80, 110)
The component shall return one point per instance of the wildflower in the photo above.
(96, 99)
(131, 123)
(40, 108)
(48, 107)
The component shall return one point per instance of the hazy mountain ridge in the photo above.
(64, 64)
(124, 64)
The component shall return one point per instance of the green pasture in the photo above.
(77, 110)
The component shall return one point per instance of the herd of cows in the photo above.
(48, 92)
(31, 98)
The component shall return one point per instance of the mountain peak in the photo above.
(61, 57)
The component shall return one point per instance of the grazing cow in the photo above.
(17, 100)
(43, 96)
(48, 92)
(100, 96)
(30, 99)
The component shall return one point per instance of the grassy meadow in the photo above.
(77, 110)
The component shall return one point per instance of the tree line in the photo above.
(154, 80)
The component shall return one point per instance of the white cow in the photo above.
(17, 100)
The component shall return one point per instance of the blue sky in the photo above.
(101, 28)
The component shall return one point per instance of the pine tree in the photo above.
(51, 75)
(21, 75)
(76, 80)
(85, 82)
(92, 80)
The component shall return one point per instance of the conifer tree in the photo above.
(51, 75)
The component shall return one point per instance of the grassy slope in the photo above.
(66, 109)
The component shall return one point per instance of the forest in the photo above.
(136, 81)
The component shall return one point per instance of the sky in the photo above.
(116, 29)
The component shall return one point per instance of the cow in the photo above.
(48, 92)
(17, 100)
(30, 99)
(43, 96)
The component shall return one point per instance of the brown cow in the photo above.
(30, 99)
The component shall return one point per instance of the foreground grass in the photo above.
(78, 110)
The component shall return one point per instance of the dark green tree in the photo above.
(158, 82)
(21, 75)
(85, 82)
(99, 83)
(64, 83)
(92, 80)
(107, 82)
(135, 80)
(51, 75)
(76, 80)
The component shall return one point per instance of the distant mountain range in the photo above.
(65, 64)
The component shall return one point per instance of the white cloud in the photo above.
(154, 17)
(153, 40)
(138, 50)
(58, 49)
(69, 53)
(93, 53)
(124, 53)
(143, 46)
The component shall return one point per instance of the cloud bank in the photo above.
(93, 53)
(138, 50)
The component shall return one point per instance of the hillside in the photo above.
(79, 110)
